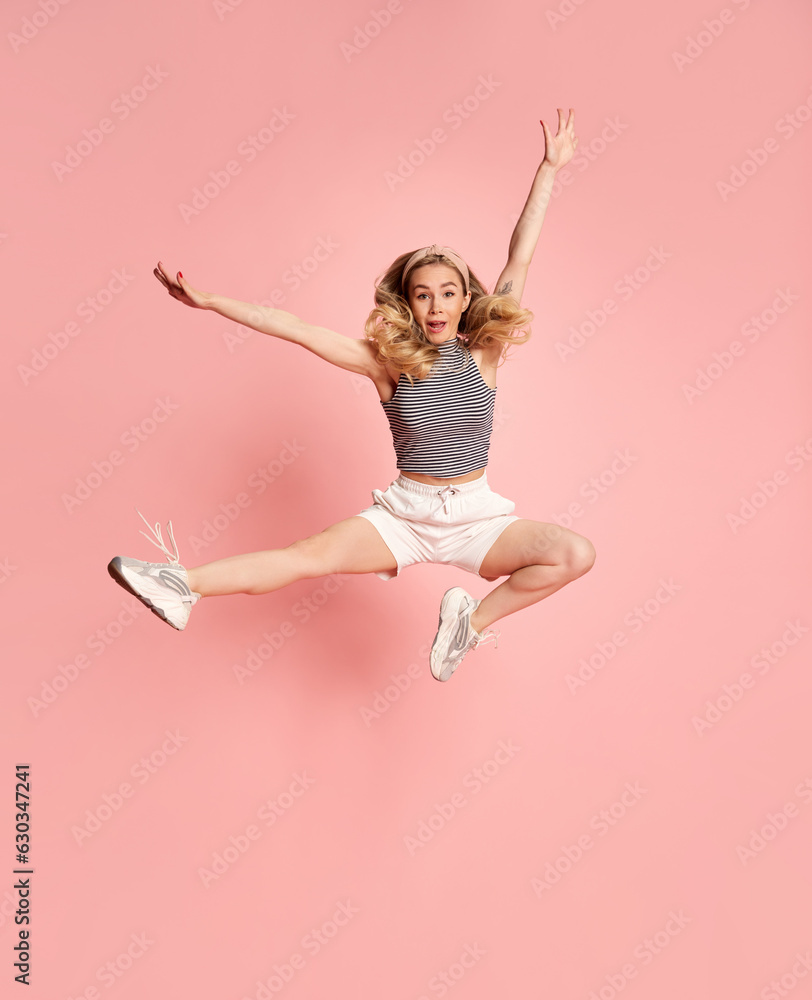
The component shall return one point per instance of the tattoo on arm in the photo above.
(505, 289)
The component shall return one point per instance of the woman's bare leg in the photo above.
(350, 546)
(541, 558)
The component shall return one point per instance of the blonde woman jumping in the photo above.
(432, 347)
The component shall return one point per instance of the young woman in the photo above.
(432, 347)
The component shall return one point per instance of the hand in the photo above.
(560, 148)
(180, 289)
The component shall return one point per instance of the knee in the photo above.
(580, 557)
(571, 557)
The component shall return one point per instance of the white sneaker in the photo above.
(163, 589)
(455, 634)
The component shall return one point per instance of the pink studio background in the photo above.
(518, 887)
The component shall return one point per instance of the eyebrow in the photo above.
(445, 283)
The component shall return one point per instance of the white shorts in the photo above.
(454, 524)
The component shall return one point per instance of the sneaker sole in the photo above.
(115, 569)
(455, 594)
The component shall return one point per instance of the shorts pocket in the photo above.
(484, 504)
(398, 502)
(502, 505)
(380, 497)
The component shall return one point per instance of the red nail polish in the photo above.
(180, 273)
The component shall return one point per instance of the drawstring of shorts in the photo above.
(444, 494)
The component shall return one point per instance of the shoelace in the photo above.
(486, 636)
(173, 558)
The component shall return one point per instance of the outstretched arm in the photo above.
(558, 151)
(343, 352)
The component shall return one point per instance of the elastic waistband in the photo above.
(431, 489)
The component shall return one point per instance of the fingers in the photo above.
(571, 128)
(164, 278)
(549, 141)
(560, 148)
(568, 124)
(172, 285)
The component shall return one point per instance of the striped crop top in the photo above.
(441, 425)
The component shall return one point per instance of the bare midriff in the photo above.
(435, 481)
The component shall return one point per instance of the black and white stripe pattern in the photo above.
(441, 426)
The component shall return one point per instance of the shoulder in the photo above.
(384, 376)
(486, 355)
(373, 367)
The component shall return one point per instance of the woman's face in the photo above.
(437, 300)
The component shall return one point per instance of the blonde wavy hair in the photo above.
(401, 343)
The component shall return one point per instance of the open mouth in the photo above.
(437, 327)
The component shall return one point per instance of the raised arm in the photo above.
(341, 351)
(558, 151)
